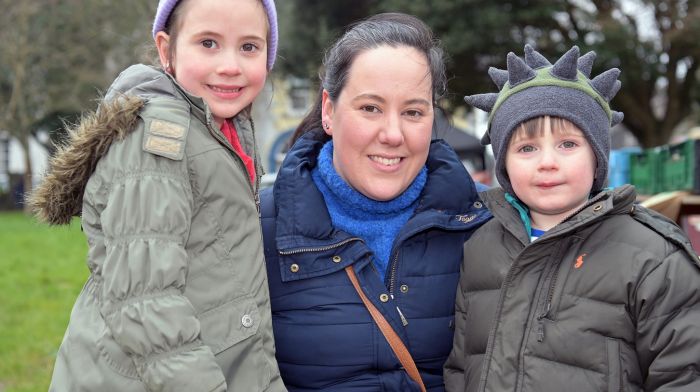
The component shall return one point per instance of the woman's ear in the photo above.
(163, 44)
(327, 113)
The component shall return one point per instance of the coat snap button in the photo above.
(384, 297)
(404, 288)
(598, 207)
(294, 267)
(337, 259)
(247, 321)
(477, 204)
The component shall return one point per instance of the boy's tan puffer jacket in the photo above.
(609, 300)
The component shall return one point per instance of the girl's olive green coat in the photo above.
(177, 298)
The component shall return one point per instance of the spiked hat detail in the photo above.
(534, 87)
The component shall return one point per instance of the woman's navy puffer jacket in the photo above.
(325, 338)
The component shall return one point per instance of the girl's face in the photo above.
(220, 53)
(551, 172)
(382, 121)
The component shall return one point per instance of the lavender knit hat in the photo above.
(533, 87)
(165, 8)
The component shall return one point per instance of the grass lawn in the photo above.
(42, 270)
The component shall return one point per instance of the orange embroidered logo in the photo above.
(579, 261)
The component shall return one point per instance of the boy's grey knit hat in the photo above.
(166, 7)
(534, 87)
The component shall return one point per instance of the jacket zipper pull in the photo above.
(540, 331)
(540, 323)
(403, 319)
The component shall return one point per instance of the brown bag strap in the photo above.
(394, 340)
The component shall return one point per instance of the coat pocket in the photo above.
(614, 365)
(230, 323)
(232, 332)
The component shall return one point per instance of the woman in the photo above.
(364, 193)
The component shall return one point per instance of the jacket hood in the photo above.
(59, 197)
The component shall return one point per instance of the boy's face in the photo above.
(551, 172)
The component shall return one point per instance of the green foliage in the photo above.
(659, 54)
(41, 272)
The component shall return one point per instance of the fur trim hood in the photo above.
(59, 197)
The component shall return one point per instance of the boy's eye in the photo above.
(249, 47)
(208, 43)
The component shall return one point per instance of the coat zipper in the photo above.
(318, 248)
(395, 263)
(392, 280)
(553, 281)
(549, 299)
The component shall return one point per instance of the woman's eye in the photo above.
(414, 113)
(370, 109)
(249, 47)
(209, 44)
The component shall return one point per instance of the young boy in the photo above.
(571, 287)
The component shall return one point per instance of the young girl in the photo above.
(165, 175)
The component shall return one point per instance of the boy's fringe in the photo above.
(59, 197)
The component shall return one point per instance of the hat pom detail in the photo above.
(518, 71)
(534, 59)
(605, 83)
(617, 118)
(499, 76)
(484, 102)
(585, 63)
(567, 66)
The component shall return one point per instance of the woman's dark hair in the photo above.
(392, 29)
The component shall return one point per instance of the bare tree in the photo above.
(56, 57)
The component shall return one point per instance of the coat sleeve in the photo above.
(146, 222)
(667, 307)
(454, 366)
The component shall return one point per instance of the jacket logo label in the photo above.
(579, 261)
(167, 129)
(465, 218)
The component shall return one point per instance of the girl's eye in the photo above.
(569, 144)
(526, 148)
(249, 47)
(209, 44)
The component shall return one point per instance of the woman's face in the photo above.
(382, 121)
